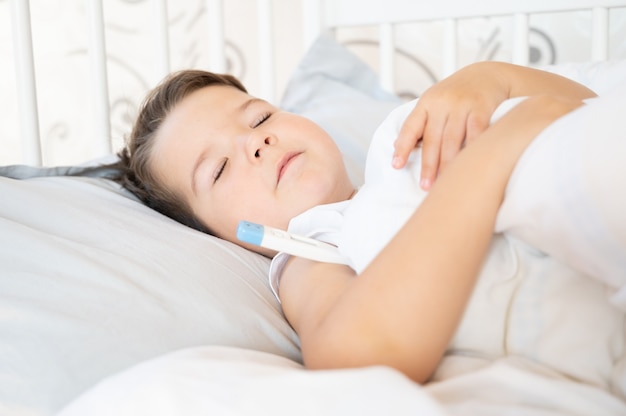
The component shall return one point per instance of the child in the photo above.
(209, 155)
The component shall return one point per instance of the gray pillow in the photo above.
(93, 281)
(341, 93)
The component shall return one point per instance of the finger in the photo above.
(477, 122)
(410, 134)
(452, 140)
(431, 150)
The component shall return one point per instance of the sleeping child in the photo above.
(209, 155)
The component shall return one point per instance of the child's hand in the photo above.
(449, 114)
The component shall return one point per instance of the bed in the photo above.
(107, 307)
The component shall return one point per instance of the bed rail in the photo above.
(343, 13)
(317, 16)
(25, 65)
(25, 75)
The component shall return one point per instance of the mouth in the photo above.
(284, 163)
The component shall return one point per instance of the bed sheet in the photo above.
(231, 381)
(545, 357)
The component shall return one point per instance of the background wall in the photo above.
(60, 41)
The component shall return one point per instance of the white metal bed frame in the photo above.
(318, 16)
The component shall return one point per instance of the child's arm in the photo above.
(457, 109)
(404, 308)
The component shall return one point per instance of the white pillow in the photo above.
(94, 282)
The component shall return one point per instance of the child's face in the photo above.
(234, 157)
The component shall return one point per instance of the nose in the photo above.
(258, 142)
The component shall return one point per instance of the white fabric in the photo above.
(361, 227)
(520, 290)
(603, 77)
(567, 194)
(231, 381)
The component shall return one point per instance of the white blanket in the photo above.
(556, 348)
(231, 381)
(567, 195)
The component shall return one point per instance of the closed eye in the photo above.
(262, 119)
(220, 169)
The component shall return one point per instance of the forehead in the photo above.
(207, 101)
(207, 109)
(189, 126)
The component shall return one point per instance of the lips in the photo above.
(283, 165)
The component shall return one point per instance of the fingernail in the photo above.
(425, 184)
(396, 162)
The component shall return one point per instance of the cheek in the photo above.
(225, 210)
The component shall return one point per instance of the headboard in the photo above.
(276, 34)
(387, 13)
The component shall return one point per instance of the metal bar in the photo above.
(217, 50)
(162, 39)
(100, 85)
(266, 50)
(520, 39)
(26, 85)
(600, 34)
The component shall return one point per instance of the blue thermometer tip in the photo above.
(250, 232)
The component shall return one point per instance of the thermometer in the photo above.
(296, 245)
